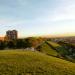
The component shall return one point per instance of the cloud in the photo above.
(38, 16)
(64, 12)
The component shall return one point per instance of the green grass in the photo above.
(54, 44)
(59, 48)
(33, 63)
(45, 48)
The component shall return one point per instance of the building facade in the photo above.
(12, 35)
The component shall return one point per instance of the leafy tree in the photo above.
(2, 45)
(10, 44)
(20, 43)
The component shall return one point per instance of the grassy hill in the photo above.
(59, 48)
(52, 48)
(45, 48)
(15, 62)
(63, 51)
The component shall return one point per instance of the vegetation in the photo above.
(33, 63)
(61, 50)
(20, 43)
(45, 48)
(43, 61)
(2, 45)
(70, 50)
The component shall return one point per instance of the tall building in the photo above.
(12, 35)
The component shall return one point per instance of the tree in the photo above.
(10, 44)
(20, 43)
(2, 45)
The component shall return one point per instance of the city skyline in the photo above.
(37, 17)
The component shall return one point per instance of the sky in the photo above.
(37, 17)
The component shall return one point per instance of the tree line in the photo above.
(20, 43)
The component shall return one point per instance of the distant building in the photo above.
(11, 35)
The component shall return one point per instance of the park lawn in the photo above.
(17, 62)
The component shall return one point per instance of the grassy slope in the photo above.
(33, 63)
(56, 50)
(59, 48)
(45, 48)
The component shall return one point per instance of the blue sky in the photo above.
(37, 17)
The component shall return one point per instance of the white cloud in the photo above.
(64, 12)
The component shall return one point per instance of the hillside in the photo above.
(45, 48)
(15, 62)
(61, 50)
